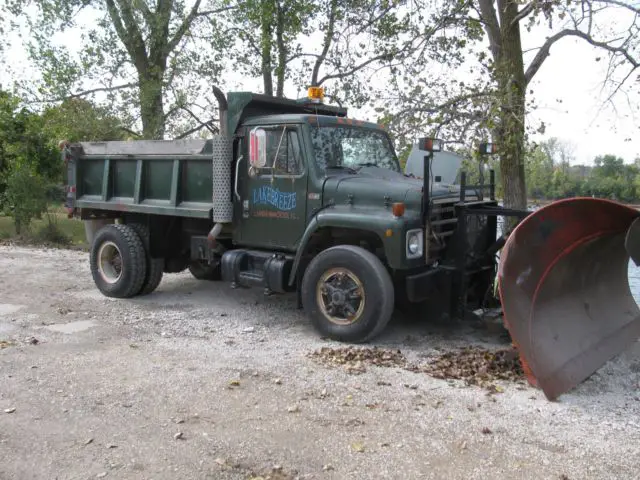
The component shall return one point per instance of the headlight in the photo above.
(414, 243)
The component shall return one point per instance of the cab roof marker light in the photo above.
(315, 94)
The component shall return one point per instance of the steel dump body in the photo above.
(172, 177)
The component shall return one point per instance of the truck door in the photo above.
(272, 188)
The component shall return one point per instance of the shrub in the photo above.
(51, 232)
(25, 196)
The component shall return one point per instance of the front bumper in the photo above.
(423, 285)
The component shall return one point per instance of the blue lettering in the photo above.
(267, 195)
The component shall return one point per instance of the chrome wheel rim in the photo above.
(340, 296)
(109, 262)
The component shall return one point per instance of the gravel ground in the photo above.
(198, 381)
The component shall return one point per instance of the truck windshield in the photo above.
(352, 148)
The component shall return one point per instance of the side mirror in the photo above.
(258, 148)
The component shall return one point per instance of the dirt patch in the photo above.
(474, 365)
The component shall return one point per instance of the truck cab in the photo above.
(292, 196)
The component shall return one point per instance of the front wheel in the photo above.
(348, 293)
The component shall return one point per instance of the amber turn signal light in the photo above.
(398, 209)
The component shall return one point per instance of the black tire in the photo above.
(122, 243)
(155, 266)
(373, 279)
(202, 271)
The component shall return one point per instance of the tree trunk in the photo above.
(282, 51)
(151, 105)
(512, 90)
(265, 40)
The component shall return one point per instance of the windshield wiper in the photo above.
(368, 164)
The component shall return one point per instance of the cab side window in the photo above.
(284, 153)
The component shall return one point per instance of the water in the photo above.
(634, 281)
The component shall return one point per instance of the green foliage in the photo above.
(52, 232)
(551, 176)
(24, 196)
(79, 120)
(30, 165)
(139, 56)
(24, 144)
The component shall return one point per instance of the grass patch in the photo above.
(53, 229)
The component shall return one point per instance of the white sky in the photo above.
(571, 74)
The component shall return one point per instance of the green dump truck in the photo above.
(291, 196)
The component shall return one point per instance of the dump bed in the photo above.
(166, 177)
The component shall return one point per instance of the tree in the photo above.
(77, 120)
(495, 102)
(502, 20)
(142, 52)
(267, 34)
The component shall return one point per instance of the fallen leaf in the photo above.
(486, 430)
(178, 436)
(10, 410)
(234, 383)
(88, 441)
(293, 409)
(277, 381)
(357, 447)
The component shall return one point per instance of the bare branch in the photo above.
(523, 13)
(131, 132)
(542, 55)
(184, 26)
(492, 27)
(206, 13)
(328, 38)
(353, 70)
(95, 90)
(133, 37)
(619, 4)
(208, 125)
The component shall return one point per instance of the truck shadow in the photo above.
(419, 331)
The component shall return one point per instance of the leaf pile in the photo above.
(477, 366)
(354, 360)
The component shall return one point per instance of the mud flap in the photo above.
(564, 289)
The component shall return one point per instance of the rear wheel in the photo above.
(203, 271)
(155, 266)
(348, 293)
(118, 264)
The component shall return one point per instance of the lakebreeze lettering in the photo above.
(272, 196)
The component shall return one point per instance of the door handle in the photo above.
(235, 183)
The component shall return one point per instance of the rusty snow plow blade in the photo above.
(564, 289)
